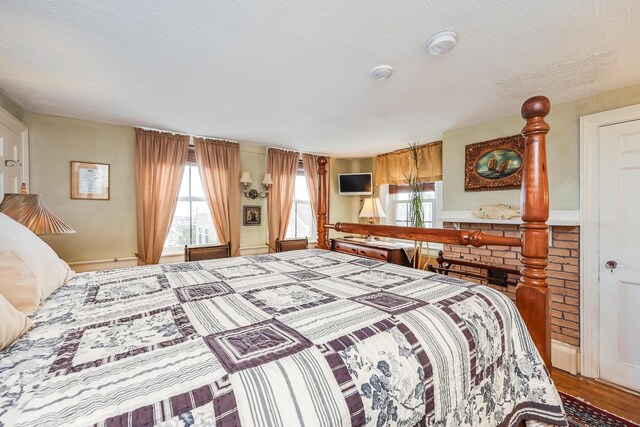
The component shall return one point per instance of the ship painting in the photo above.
(494, 165)
(498, 164)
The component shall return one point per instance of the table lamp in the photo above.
(371, 209)
(30, 211)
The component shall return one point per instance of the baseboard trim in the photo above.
(565, 356)
(254, 250)
(109, 264)
(103, 264)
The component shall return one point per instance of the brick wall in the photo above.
(563, 270)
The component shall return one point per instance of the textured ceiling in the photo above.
(295, 74)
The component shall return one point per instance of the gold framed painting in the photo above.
(494, 165)
(90, 181)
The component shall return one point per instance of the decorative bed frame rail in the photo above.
(494, 275)
(533, 297)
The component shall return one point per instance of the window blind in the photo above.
(406, 188)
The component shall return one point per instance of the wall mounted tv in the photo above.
(355, 184)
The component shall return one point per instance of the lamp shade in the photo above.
(30, 211)
(267, 179)
(372, 209)
(246, 178)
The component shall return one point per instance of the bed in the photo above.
(309, 337)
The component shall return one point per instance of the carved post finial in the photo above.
(538, 106)
(322, 203)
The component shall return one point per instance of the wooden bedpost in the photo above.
(322, 203)
(533, 297)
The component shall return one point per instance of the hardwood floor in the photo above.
(604, 396)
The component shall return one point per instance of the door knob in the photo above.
(611, 264)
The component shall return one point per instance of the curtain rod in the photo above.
(187, 134)
(296, 151)
(401, 150)
(226, 140)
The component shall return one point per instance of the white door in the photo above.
(12, 162)
(620, 254)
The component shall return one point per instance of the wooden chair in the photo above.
(285, 245)
(200, 253)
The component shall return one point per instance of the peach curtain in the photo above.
(310, 164)
(159, 164)
(391, 167)
(282, 165)
(219, 165)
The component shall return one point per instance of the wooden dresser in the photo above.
(382, 251)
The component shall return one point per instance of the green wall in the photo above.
(563, 151)
(104, 229)
(14, 109)
(107, 229)
(340, 207)
(253, 158)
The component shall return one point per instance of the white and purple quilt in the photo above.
(312, 338)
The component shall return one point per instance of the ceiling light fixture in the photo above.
(382, 72)
(442, 42)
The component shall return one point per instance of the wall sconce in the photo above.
(245, 181)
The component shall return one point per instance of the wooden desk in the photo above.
(382, 251)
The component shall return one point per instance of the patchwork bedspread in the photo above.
(312, 337)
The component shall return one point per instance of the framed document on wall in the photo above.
(90, 181)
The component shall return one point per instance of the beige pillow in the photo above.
(29, 269)
(13, 323)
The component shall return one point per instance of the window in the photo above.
(301, 221)
(398, 205)
(192, 222)
(401, 208)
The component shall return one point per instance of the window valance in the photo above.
(391, 168)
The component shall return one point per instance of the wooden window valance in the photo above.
(391, 168)
(406, 188)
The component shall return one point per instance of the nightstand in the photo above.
(386, 251)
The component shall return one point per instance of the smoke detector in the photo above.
(382, 72)
(442, 42)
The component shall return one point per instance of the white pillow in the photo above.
(29, 269)
(13, 324)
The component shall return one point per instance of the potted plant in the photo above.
(416, 207)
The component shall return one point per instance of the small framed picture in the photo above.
(90, 181)
(251, 215)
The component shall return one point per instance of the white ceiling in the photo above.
(295, 74)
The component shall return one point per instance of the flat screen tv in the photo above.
(354, 184)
